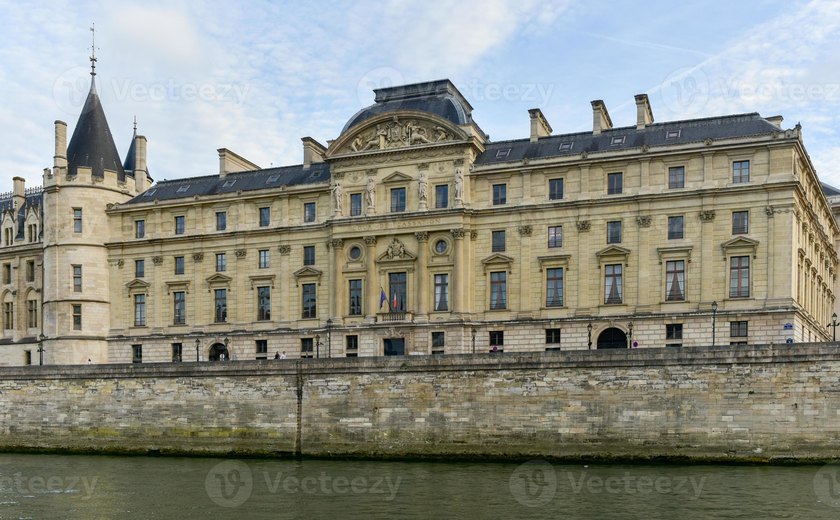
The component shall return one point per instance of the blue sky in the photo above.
(256, 76)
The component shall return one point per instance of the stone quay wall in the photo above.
(757, 403)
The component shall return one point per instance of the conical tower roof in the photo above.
(130, 163)
(92, 145)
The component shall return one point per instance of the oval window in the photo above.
(355, 252)
(440, 247)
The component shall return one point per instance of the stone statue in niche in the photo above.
(459, 185)
(370, 193)
(337, 196)
(424, 189)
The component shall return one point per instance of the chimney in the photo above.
(775, 121)
(60, 156)
(140, 173)
(230, 162)
(18, 192)
(313, 152)
(644, 115)
(539, 125)
(600, 117)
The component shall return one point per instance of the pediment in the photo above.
(397, 177)
(218, 278)
(307, 271)
(137, 284)
(497, 258)
(740, 243)
(396, 252)
(406, 129)
(613, 251)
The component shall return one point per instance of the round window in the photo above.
(440, 247)
(355, 253)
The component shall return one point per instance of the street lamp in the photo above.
(473, 341)
(197, 348)
(329, 337)
(227, 352)
(834, 323)
(41, 339)
(589, 336)
(630, 335)
(714, 321)
(317, 345)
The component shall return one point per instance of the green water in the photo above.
(54, 486)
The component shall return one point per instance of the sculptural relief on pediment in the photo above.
(398, 133)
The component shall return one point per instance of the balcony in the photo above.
(398, 316)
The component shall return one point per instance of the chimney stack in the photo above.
(644, 115)
(18, 192)
(140, 172)
(60, 156)
(600, 117)
(230, 162)
(775, 121)
(313, 152)
(539, 125)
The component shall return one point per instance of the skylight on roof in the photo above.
(617, 141)
(183, 188)
(672, 134)
(503, 153)
(565, 147)
(229, 183)
(150, 192)
(272, 178)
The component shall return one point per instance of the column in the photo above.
(525, 296)
(422, 275)
(336, 281)
(371, 285)
(459, 293)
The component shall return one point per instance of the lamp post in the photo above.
(197, 348)
(329, 337)
(41, 339)
(226, 354)
(834, 323)
(589, 336)
(714, 321)
(317, 345)
(630, 335)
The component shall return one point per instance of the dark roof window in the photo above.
(565, 147)
(150, 192)
(673, 134)
(272, 178)
(183, 188)
(229, 183)
(615, 141)
(503, 153)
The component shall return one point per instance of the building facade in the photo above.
(413, 233)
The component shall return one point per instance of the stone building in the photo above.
(413, 233)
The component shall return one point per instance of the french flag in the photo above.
(394, 305)
(382, 298)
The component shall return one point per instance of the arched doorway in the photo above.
(612, 338)
(219, 352)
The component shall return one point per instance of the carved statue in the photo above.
(358, 144)
(415, 133)
(459, 184)
(424, 188)
(337, 196)
(440, 133)
(396, 249)
(370, 194)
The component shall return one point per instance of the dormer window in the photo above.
(503, 153)
(229, 183)
(616, 141)
(565, 147)
(183, 188)
(150, 192)
(272, 178)
(673, 134)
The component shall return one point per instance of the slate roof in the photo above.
(689, 131)
(92, 144)
(246, 181)
(34, 198)
(829, 190)
(440, 98)
(130, 163)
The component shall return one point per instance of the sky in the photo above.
(256, 76)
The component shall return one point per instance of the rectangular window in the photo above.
(555, 189)
(308, 255)
(307, 347)
(220, 306)
(355, 204)
(32, 232)
(676, 177)
(77, 278)
(397, 200)
(740, 172)
(177, 352)
(261, 348)
(221, 220)
(442, 196)
(675, 281)
(77, 220)
(309, 212)
(738, 329)
(355, 308)
(139, 268)
(179, 265)
(673, 335)
(309, 301)
(139, 310)
(615, 183)
(8, 315)
(139, 228)
(221, 262)
(7, 273)
(30, 270)
(352, 344)
(555, 236)
(32, 314)
(397, 291)
(740, 222)
(675, 228)
(612, 283)
(498, 241)
(77, 317)
(498, 290)
(441, 292)
(552, 337)
(180, 227)
(438, 342)
(263, 258)
(554, 287)
(614, 232)
(263, 303)
(499, 194)
(179, 314)
(497, 339)
(136, 353)
(739, 277)
(265, 217)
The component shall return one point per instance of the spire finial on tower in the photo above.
(93, 49)
(135, 125)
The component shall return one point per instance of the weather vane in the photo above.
(93, 49)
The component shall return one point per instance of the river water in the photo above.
(92, 487)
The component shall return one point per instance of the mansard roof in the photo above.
(92, 145)
(233, 182)
(33, 199)
(440, 98)
(657, 134)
